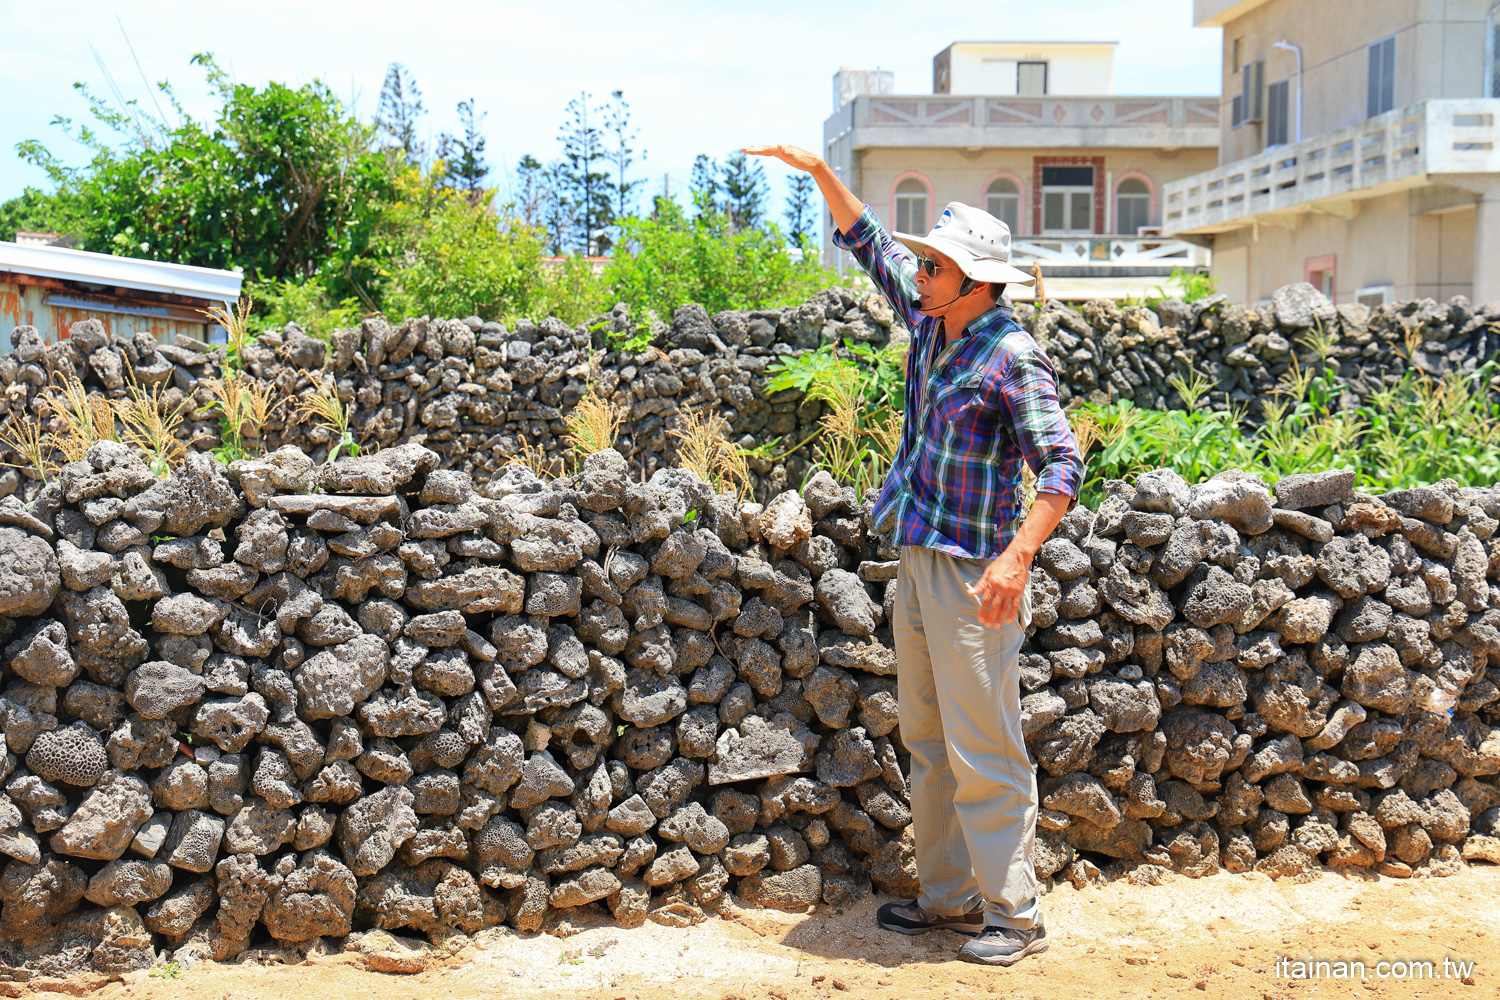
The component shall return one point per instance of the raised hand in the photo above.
(792, 156)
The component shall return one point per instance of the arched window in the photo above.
(1003, 201)
(1132, 206)
(911, 207)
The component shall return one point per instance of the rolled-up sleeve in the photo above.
(886, 260)
(1048, 446)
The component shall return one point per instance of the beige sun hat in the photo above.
(978, 242)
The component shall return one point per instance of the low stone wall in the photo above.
(261, 706)
(477, 393)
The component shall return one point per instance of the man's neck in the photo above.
(956, 320)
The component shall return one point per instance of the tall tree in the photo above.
(533, 190)
(745, 191)
(400, 107)
(463, 156)
(799, 213)
(704, 184)
(582, 178)
(622, 153)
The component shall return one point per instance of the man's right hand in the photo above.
(842, 203)
(792, 156)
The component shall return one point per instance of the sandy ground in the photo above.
(1217, 937)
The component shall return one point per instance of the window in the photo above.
(1031, 79)
(1319, 272)
(1003, 201)
(1277, 104)
(1375, 295)
(1068, 199)
(911, 207)
(1252, 91)
(1381, 95)
(1236, 53)
(1132, 206)
(1492, 54)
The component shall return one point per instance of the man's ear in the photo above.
(967, 285)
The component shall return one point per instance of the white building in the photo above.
(1034, 133)
(1358, 150)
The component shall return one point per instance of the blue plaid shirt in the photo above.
(976, 411)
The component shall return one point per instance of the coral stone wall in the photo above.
(284, 701)
(477, 393)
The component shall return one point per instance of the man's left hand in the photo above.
(1001, 588)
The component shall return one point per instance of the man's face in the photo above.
(938, 291)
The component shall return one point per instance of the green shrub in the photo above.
(669, 259)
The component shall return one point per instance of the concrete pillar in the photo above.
(1487, 248)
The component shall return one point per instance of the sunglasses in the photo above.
(929, 264)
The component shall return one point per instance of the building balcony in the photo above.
(1106, 256)
(929, 120)
(1331, 173)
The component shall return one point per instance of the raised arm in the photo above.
(889, 264)
(845, 207)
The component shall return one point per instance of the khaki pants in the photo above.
(973, 789)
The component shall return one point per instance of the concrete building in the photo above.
(1358, 150)
(52, 287)
(1033, 132)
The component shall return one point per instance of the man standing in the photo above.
(981, 402)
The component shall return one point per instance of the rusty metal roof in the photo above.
(107, 271)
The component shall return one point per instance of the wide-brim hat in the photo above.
(978, 242)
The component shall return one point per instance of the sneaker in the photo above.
(1004, 945)
(910, 918)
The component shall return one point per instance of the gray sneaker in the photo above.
(1004, 945)
(910, 918)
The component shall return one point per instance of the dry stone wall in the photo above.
(257, 707)
(477, 392)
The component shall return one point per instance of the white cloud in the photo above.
(701, 75)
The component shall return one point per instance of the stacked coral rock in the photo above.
(479, 392)
(283, 702)
(276, 702)
(1221, 678)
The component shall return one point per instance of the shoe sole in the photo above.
(970, 930)
(1035, 948)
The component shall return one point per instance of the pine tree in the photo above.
(799, 211)
(581, 179)
(534, 194)
(463, 156)
(617, 122)
(745, 191)
(400, 107)
(704, 184)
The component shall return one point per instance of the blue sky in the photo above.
(701, 75)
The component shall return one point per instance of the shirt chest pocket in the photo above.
(961, 404)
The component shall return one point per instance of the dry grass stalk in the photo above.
(236, 324)
(534, 457)
(150, 426)
(244, 405)
(24, 436)
(86, 419)
(323, 406)
(704, 449)
(593, 425)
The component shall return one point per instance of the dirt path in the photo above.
(1215, 937)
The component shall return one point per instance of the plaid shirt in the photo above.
(975, 411)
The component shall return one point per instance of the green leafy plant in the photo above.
(172, 970)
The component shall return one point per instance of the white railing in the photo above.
(1047, 112)
(1446, 136)
(1107, 251)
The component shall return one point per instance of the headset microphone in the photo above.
(964, 288)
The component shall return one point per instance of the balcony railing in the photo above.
(1139, 253)
(1336, 168)
(897, 120)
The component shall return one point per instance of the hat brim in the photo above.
(978, 268)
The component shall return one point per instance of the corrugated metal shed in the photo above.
(52, 287)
